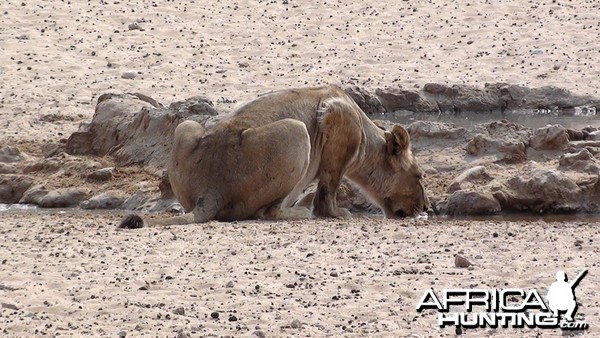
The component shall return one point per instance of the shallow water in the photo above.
(575, 118)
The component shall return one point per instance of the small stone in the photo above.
(333, 274)
(258, 334)
(495, 235)
(233, 318)
(182, 334)
(103, 174)
(129, 74)
(135, 26)
(296, 324)
(229, 284)
(8, 306)
(122, 334)
(461, 262)
(214, 315)
(180, 310)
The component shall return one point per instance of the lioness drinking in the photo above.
(256, 162)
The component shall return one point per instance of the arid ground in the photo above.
(72, 273)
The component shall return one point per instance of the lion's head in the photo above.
(395, 181)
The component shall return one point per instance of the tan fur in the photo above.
(256, 162)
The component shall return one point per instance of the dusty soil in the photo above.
(74, 274)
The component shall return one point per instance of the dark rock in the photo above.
(131, 221)
(214, 315)
(12, 187)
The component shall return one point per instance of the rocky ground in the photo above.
(71, 138)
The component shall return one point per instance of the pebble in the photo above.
(122, 334)
(135, 26)
(103, 174)
(214, 315)
(296, 324)
(333, 274)
(461, 262)
(258, 334)
(180, 310)
(229, 284)
(233, 318)
(182, 334)
(129, 74)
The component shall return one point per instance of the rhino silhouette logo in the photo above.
(561, 295)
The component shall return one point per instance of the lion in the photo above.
(255, 163)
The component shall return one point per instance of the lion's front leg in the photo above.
(341, 130)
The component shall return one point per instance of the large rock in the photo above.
(134, 128)
(12, 187)
(394, 99)
(506, 151)
(111, 199)
(34, 194)
(553, 137)
(470, 179)
(64, 198)
(541, 190)
(368, 102)
(11, 154)
(469, 202)
(455, 99)
(582, 161)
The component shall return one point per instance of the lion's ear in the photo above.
(397, 141)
